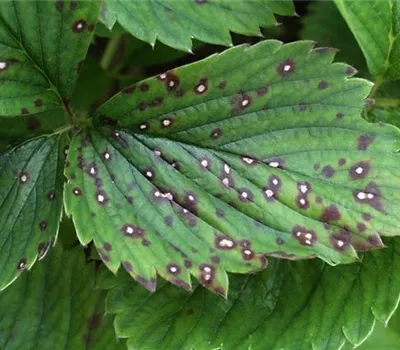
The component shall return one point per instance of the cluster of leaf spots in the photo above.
(31, 184)
(34, 76)
(56, 305)
(176, 23)
(213, 166)
(304, 304)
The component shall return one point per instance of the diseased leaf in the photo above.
(55, 306)
(31, 191)
(256, 151)
(376, 26)
(302, 305)
(326, 26)
(175, 23)
(42, 45)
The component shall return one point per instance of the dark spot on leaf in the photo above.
(173, 269)
(223, 242)
(365, 141)
(359, 170)
(222, 85)
(107, 246)
(148, 284)
(91, 27)
(330, 213)
(371, 195)
(318, 199)
(43, 248)
(342, 161)
(328, 171)
(101, 197)
(132, 231)
(317, 166)
(38, 102)
(240, 102)
(322, 85)
(24, 111)
(361, 227)
(247, 254)
(304, 236)
(107, 120)
(73, 4)
(245, 195)
(21, 264)
(216, 133)
(340, 240)
(366, 216)
(24, 177)
(43, 225)
(127, 266)
(51, 195)
(286, 67)
(188, 264)
(276, 162)
(207, 274)
(79, 26)
(262, 90)
(59, 5)
(202, 87)
(350, 71)
(302, 107)
(190, 311)
(280, 241)
(339, 115)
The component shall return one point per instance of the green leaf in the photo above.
(31, 191)
(175, 23)
(385, 337)
(376, 26)
(389, 115)
(326, 26)
(42, 45)
(56, 306)
(257, 151)
(302, 305)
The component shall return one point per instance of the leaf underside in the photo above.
(380, 42)
(55, 306)
(302, 305)
(257, 151)
(175, 23)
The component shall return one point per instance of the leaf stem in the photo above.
(110, 50)
(387, 102)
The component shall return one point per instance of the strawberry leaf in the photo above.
(302, 305)
(56, 306)
(35, 75)
(31, 191)
(175, 23)
(380, 42)
(256, 151)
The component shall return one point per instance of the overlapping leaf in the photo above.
(31, 191)
(326, 26)
(302, 305)
(376, 26)
(254, 151)
(55, 306)
(175, 23)
(42, 45)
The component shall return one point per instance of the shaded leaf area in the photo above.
(385, 337)
(175, 23)
(56, 306)
(31, 191)
(36, 72)
(291, 305)
(252, 152)
(379, 42)
(388, 115)
(14, 131)
(326, 26)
